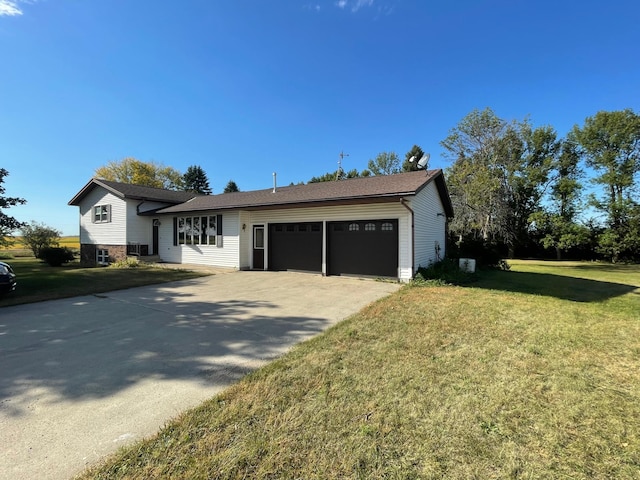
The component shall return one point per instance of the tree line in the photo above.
(521, 189)
(154, 174)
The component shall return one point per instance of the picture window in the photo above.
(197, 230)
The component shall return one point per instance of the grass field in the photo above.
(527, 374)
(18, 249)
(37, 281)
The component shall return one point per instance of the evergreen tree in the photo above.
(231, 187)
(195, 180)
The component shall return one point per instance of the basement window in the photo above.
(102, 256)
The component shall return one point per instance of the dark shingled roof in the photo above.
(135, 192)
(376, 189)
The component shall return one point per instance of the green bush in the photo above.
(445, 272)
(129, 262)
(56, 256)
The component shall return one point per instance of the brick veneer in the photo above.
(88, 253)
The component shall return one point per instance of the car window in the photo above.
(4, 269)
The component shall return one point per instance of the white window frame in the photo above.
(102, 256)
(101, 214)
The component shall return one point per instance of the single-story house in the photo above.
(385, 226)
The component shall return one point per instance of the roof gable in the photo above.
(135, 192)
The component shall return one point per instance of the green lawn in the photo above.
(37, 281)
(527, 374)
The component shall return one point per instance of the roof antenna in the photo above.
(339, 172)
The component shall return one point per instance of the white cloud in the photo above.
(354, 5)
(9, 8)
(358, 4)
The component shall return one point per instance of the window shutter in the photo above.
(108, 213)
(93, 214)
(175, 231)
(219, 225)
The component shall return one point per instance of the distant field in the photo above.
(18, 249)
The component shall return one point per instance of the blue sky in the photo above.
(244, 88)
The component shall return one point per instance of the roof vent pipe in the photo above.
(274, 182)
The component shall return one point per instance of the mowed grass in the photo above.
(38, 281)
(528, 374)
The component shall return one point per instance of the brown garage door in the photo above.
(295, 246)
(363, 247)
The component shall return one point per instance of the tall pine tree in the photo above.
(195, 180)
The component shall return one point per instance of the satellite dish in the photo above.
(422, 163)
(412, 159)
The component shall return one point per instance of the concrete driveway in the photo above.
(83, 376)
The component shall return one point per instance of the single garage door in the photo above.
(295, 246)
(364, 247)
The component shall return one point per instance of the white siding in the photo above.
(430, 227)
(225, 256)
(109, 233)
(246, 240)
(139, 229)
(343, 213)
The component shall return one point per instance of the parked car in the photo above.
(8, 280)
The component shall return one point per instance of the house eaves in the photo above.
(133, 192)
(378, 189)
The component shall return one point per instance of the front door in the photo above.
(258, 247)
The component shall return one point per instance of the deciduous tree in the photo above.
(38, 236)
(385, 163)
(475, 178)
(499, 173)
(340, 175)
(556, 225)
(610, 143)
(151, 174)
(8, 224)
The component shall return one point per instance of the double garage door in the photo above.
(362, 247)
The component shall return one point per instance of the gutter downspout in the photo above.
(403, 202)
